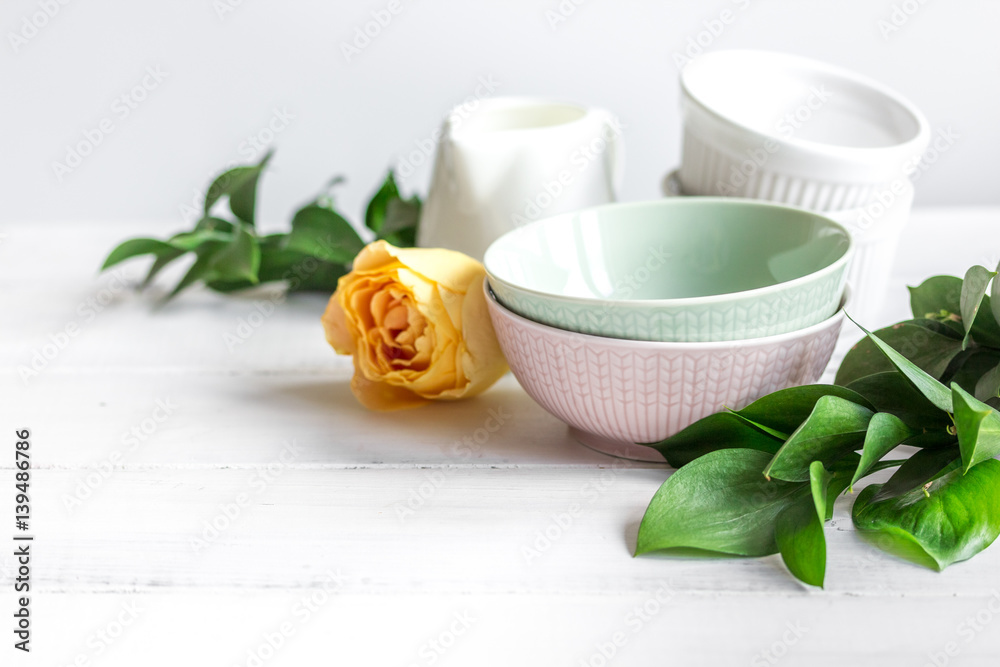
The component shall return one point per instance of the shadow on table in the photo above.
(502, 425)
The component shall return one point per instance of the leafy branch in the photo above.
(775, 467)
(230, 255)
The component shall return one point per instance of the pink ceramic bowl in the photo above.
(614, 393)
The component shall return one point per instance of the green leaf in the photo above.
(378, 206)
(799, 530)
(939, 327)
(933, 390)
(212, 224)
(722, 430)
(918, 470)
(977, 280)
(931, 350)
(173, 248)
(988, 385)
(839, 483)
(995, 299)
(230, 286)
(391, 217)
(161, 262)
(939, 298)
(237, 260)
(323, 280)
(774, 433)
(799, 536)
(193, 239)
(885, 433)
(891, 392)
(302, 272)
(985, 330)
(278, 262)
(225, 264)
(955, 518)
(971, 366)
(402, 219)
(937, 438)
(819, 485)
(275, 259)
(835, 427)
(136, 247)
(202, 267)
(240, 185)
(324, 234)
(784, 411)
(978, 427)
(719, 502)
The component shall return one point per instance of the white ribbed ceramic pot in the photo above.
(783, 128)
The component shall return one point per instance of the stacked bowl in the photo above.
(782, 128)
(631, 321)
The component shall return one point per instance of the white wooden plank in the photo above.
(462, 530)
(502, 630)
(148, 418)
(233, 628)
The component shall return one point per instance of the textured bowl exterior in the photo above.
(708, 169)
(789, 309)
(627, 392)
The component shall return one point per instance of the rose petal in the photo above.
(483, 362)
(338, 333)
(382, 396)
(449, 268)
(417, 323)
(442, 376)
(373, 257)
(398, 316)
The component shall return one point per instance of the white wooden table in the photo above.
(210, 503)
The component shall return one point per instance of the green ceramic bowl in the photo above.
(697, 269)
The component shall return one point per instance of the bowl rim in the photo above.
(920, 137)
(692, 346)
(680, 302)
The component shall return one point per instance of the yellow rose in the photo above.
(416, 321)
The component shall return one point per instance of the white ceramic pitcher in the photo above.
(513, 160)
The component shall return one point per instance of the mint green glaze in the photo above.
(694, 269)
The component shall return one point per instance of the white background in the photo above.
(227, 71)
